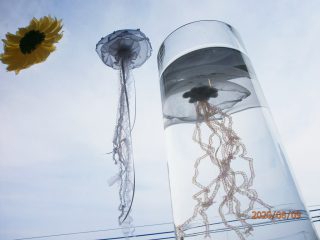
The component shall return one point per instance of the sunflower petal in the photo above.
(13, 38)
(43, 23)
(13, 56)
(22, 31)
(38, 57)
(53, 38)
(43, 54)
(30, 60)
(53, 24)
(9, 43)
(53, 34)
(34, 24)
(50, 48)
(49, 24)
(8, 59)
(16, 65)
(10, 48)
(55, 29)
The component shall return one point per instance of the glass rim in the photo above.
(203, 37)
(202, 20)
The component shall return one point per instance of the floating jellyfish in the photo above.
(124, 50)
(222, 147)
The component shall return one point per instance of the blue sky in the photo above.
(57, 118)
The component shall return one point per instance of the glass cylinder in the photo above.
(229, 177)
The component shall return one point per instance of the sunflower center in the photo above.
(30, 41)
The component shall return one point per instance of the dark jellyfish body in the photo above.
(202, 93)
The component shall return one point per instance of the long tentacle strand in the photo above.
(222, 148)
(123, 154)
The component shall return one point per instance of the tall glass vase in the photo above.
(229, 176)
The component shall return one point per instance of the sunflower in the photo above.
(31, 44)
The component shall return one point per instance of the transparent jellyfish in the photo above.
(222, 147)
(124, 50)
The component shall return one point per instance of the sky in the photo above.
(57, 118)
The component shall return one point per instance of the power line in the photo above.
(138, 235)
(313, 219)
(314, 210)
(203, 232)
(91, 231)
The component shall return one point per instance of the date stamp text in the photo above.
(276, 215)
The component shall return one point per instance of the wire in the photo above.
(138, 235)
(91, 231)
(152, 225)
(202, 232)
(164, 238)
(314, 210)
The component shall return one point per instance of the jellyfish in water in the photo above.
(222, 147)
(124, 50)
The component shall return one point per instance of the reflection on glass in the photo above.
(225, 161)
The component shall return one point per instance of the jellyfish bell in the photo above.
(228, 96)
(130, 47)
(206, 67)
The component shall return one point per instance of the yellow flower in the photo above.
(31, 44)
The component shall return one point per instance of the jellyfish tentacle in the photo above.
(226, 222)
(223, 146)
(127, 184)
(124, 80)
(135, 104)
(122, 151)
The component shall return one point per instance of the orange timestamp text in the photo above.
(276, 215)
